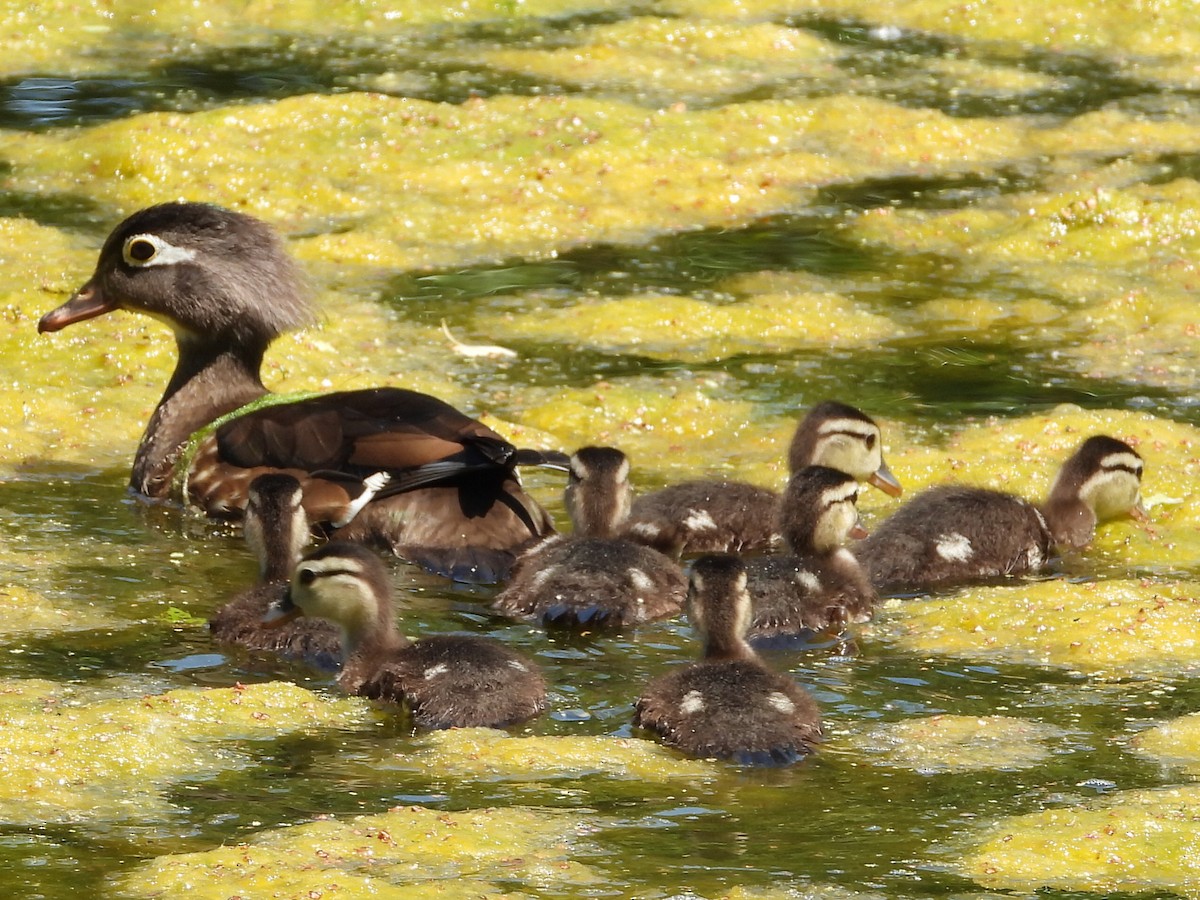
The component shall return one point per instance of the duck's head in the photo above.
(842, 437)
(818, 512)
(1101, 480)
(719, 605)
(275, 527)
(598, 493)
(343, 582)
(211, 274)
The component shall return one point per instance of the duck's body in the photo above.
(592, 578)
(729, 705)
(738, 517)
(447, 681)
(819, 585)
(277, 531)
(224, 284)
(952, 534)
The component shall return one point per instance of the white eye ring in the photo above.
(143, 250)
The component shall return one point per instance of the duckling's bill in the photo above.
(282, 612)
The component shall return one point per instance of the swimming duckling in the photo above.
(729, 705)
(952, 534)
(277, 531)
(820, 585)
(737, 517)
(225, 285)
(593, 578)
(448, 681)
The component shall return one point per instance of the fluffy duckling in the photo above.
(447, 681)
(276, 529)
(729, 705)
(594, 578)
(225, 285)
(737, 517)
(951, 534)
(820, 585)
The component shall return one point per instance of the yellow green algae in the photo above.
(404, 852)
(1112, 629)
(24, 612)
(114, 759)
(953, 743)
(1103, 256)
(399, 183)
(482, 753)
(101, 36)
(1132, 841)
(771, 313)
(1175, 743)
(680, 59)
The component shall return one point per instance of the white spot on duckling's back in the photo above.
(781, 702)
(807, 580)
(693, 702)
(435, 671)
(518, 665)
(699, 520)
(641, 580)
(954, 547)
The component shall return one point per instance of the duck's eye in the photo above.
(144, 250)
(140, 250)
(307, 576)
(870, 442)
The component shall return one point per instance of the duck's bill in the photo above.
(86, 303)
(1139, 512)
(282, 612)
(883, 479)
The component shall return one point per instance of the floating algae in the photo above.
(949, 743)
(488, 754)
(114, 759)
(405, 852)
(1131, 841)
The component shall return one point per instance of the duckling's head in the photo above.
(275, 527)
(842, 437)
(211, 274)
(1101, 480)
(598, 493)
(719, 605)
(347, 584)
(818, 512)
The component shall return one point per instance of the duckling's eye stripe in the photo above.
(849, 427)
(1122, 462)
(162, 253)
(353, 571)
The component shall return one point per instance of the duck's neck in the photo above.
(1072, 522)
(373, 633)
(208, 382)
(719, 647)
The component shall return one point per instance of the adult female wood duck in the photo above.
(952, 534)
(729, 705)
(819, 585)
(447, 681)
(593, 578)
(224, 284)
(277, 531)
(737, 517)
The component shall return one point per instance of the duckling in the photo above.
(447, 681)
(729, 705)
(820, 585)
(951, 534)
(224, 284)
(594, 578)
(736, 517)
(277, 531)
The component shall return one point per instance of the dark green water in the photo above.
(831, 820)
